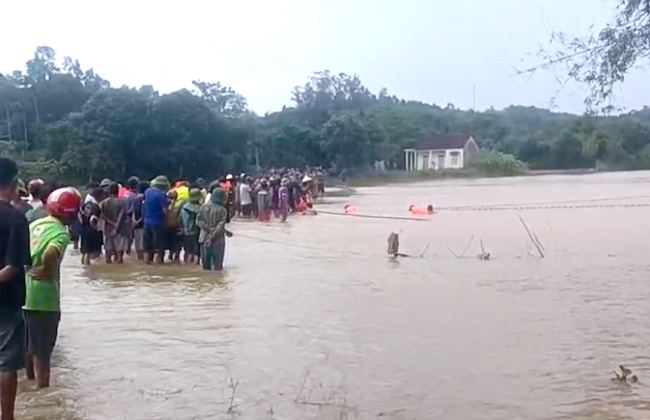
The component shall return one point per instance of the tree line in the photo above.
(61, 120)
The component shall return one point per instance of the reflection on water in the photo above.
(312, 320)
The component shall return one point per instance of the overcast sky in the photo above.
(429, 50)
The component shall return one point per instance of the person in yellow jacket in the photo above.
(182, 189)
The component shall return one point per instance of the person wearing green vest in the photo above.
(49, 238)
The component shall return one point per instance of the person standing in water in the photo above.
(283, 199)
(212, 219)
(114, 225)
(187, 219)
(264, 201)
(174, 229)
(49, 239)
(156, 206)
(130, 200)
(137, 219)
(92, 237)
(246, 198)
(14, 257)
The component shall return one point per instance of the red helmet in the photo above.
(64, 202)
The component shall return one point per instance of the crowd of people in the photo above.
(156, 220)
(161, 221)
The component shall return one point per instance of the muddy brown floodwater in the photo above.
(311, 320)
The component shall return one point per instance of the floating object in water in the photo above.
(418, 210)
(393, 243)
(623, 377)
(350, 209)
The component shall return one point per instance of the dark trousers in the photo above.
(213, 254)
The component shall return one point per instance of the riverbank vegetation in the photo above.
(63, 120)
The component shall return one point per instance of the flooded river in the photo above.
(311, 320)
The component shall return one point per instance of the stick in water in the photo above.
(467, 247)
(425, 250)
(530, 235)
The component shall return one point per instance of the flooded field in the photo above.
(311, 320)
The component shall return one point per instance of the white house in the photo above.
(441, 151)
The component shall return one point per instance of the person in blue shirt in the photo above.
(156, 205)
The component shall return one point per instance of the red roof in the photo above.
(442, 141)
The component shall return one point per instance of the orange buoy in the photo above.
(418, 210)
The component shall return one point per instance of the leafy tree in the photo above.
(221, 99)
(567, 152)
(603, 59)
(66, 120)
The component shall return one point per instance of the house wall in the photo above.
(471, 151)
(439, 159)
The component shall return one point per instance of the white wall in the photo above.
(432, 162)
(458, 164)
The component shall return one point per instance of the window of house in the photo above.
(455, 158)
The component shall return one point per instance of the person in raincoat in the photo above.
(187, 219)
(211, 220)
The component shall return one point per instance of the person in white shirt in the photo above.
(245, 198)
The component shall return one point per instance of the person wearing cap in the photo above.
(200, 183)
(211, 220)
(187, 220)
(211, 187)
(106, 182)
(156, 206)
